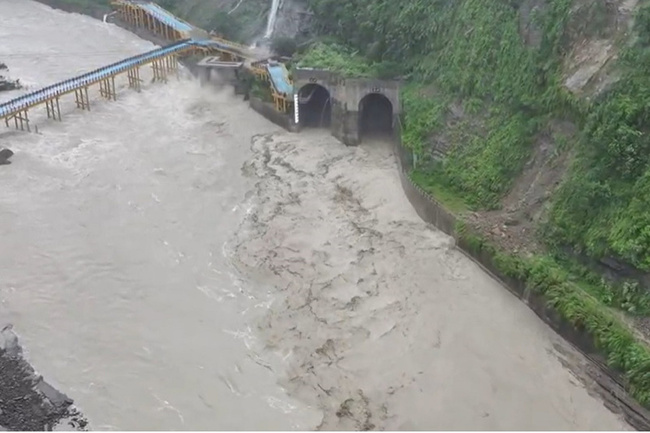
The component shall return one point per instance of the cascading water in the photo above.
(273, 14)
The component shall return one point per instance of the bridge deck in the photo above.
(158, 13)
(164, 16)
(147, 13)
(24, 102)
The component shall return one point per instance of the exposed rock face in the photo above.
(294, 19)
(597, 31)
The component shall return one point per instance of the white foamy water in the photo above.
(114, 261)
(273, 15)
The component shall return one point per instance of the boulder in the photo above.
(10, 345)
(6, 84)
(5, 154)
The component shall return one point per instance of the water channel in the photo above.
(172, 260)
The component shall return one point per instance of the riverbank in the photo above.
(27, 401)
(598, 334)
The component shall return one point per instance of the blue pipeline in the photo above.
(165, 17)
(23, 102)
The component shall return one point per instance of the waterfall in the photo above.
(273, 14)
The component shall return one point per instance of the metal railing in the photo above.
(24, 102)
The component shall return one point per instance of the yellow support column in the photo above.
(53, 109)
(134, 78)
(107, 88)
(81, 98)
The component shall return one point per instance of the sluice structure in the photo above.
(186, 39)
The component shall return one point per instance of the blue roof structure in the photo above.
(278, 74)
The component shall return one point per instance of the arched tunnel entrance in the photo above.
(375, 116)
(315, 106)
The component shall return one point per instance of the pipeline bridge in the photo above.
(184, 39)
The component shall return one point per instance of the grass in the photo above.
(437, 189)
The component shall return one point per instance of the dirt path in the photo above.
(381, 323)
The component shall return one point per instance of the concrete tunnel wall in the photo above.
(346, 95)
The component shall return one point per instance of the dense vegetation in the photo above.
(473, 52)
(501, 63)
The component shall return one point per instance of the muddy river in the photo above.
(172, 260)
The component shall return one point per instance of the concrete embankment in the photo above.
(270, 113)
(593, 370)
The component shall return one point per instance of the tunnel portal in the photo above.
(315, 106)
(375, 116)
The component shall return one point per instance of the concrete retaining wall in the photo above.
(267, 110)
(609, 382)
